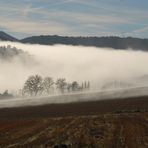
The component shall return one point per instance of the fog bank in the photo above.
(101, 66)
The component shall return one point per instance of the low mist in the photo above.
(100, 66)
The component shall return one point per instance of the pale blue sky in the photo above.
(23, 18)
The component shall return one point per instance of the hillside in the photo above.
(6, 37)
(111, 42)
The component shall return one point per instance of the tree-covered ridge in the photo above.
(110, 42)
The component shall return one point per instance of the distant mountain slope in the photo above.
(6, 37)
(111, 42)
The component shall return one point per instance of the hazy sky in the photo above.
(23, 18)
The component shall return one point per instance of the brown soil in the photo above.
(110, 124)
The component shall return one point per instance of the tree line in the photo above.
(108, 41)
(37, 85)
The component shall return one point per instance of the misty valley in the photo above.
(73, 74)
(39, 70)
(49, 92)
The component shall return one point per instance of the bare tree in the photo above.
(75, 86)
(61, 84)
(47, 84)
(69, 87)
(33, 85)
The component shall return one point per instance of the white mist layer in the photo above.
(76, 97)
(97, 65)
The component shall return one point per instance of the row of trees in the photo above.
(36, 85)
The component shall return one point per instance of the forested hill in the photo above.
(111, 42)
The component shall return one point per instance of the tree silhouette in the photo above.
(61, 83)
(33, 85)
(47, 84)
(69, 87)
(75, 86)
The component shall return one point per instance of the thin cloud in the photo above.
(136, 32)
(54, 4)
(26, 10)
(92, 18)
(18, 25)
(141, 30)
